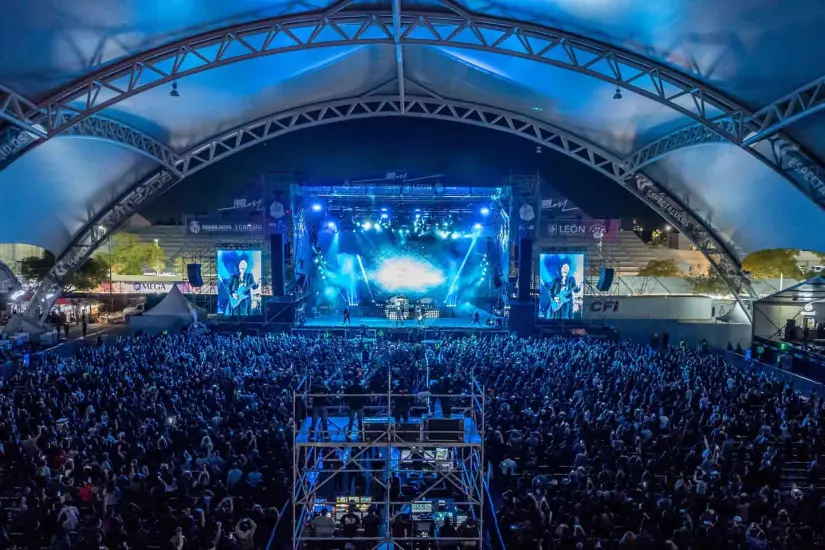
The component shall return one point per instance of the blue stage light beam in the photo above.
(451, 292)
(364, 273)
(347, 264)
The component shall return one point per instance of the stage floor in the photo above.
(383, 322)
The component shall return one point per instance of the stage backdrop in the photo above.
(561, 285)
(445, 268)
(239, 279)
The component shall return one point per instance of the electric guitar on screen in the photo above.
(243, 292)
(562, 298)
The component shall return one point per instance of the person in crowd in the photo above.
(355, 400)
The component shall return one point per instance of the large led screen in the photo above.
(239, 282)
(561, 285)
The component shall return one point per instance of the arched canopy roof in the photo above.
(719, 103)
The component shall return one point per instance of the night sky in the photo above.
(465, 154)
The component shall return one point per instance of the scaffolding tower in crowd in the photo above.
(412, 472)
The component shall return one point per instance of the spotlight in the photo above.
(316, 207)
(378, 228)
(174, 92)
(384, 209)
(618, 94)
(477, 226)
(443, 234)
(367, 226)
(485, 211)
(331, 225)
(454, 236)
(384, 216)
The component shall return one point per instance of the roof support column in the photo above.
(399, 51)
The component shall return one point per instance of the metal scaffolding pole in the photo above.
(436, 467)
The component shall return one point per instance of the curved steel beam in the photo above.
(337, 27)
(675, 141)
(803, 101)
(261, 130)
(455, 28)
(784, 157)
(15, 142)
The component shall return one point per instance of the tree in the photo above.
(660, 268)
(89, 276)
(709, 283)
(130, 256)
(773, 263)
(657, 238)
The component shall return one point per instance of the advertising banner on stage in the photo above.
(606, 230)
(561, 285)
(239, 282)
(262, 208)
(142, 287)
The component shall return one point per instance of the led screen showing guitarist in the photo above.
(239, 281)
(561, 281)
(562, 292)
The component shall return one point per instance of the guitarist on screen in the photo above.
(241, 286)
(562, 290)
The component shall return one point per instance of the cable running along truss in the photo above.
(368, 106)
(455, 27)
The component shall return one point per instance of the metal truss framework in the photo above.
(798, 104)
(18, 141)
(454, 27)
(430, 107)
(378, 452)
(781, 155)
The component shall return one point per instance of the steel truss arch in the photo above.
(17, 141)
(368, 106)
(784, 157)
(454, 27)
(805, 100)
(339, 27)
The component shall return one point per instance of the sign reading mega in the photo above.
(142, 287)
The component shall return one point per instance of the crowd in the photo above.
(606, 445)
(182, 441)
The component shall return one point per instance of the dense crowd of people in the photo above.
(182, 441)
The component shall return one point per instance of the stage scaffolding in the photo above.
(416, 463)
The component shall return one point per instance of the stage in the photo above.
(451, 323)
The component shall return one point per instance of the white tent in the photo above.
(173, 312)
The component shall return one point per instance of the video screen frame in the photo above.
(561, 295)
(239, 294)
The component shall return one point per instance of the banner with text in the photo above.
(127, 287)
(606, 230)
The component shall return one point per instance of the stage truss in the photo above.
(350, 200)
(678, 215)
(390, 451)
